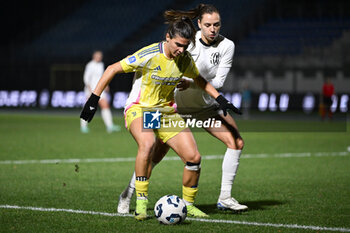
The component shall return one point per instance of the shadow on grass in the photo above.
(262, 204)
(252, 205)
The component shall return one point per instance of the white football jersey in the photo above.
(92, 74)
(213, 62)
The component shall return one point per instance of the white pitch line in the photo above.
(63, 210)
(171, 158)
(293, 226)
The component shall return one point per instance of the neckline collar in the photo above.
(163, 51)
(205, 44)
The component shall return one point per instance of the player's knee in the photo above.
(103, 104)
(193, 166)
(146, 147)
(193, 157)
(239, 143)
(230, 142)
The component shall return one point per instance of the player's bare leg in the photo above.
(228, 133)
(159, 150)
(107, 117)
(145, 140)
(185, 146)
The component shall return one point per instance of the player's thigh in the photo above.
(144, 138)
(185, 146)
(160, 149)
(134, 123)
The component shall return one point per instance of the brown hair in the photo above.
(206, 9)
(180, 22)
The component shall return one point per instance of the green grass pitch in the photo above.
(278, 187)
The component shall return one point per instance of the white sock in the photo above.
(229, 169)
(132, 181)
(83, 123)
(131, 186)
(107, 117)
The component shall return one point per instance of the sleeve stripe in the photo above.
(149, 52)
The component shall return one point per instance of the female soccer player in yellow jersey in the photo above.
(159, 68)
(213, 55)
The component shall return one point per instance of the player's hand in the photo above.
(225, 105)
(90, 108)
(183, 84)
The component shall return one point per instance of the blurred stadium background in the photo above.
(284, 49)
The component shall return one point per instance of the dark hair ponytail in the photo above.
(180, 22)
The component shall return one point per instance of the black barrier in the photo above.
(263, 102)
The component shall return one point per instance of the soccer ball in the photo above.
(170, 209)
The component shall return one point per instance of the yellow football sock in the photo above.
(141, 188)
(189, 194)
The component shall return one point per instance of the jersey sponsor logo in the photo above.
(215, 58)
(151, 120)
(132, 59)
(170, 81)
(157, 68)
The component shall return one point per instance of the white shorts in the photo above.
(196, 103)
(204, 113)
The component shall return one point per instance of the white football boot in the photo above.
(124, 200)
(230, 204)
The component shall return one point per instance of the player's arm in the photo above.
(224, 66)
(90, 106)
(128, 64)
(216, 82)
(107, 77)
(220, 77)
(207, 87)
(224, 104)
(184, 84)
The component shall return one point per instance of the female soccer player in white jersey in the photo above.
(92, 73)
(160, 67)
(213, 55)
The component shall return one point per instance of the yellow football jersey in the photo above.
(157, 75)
